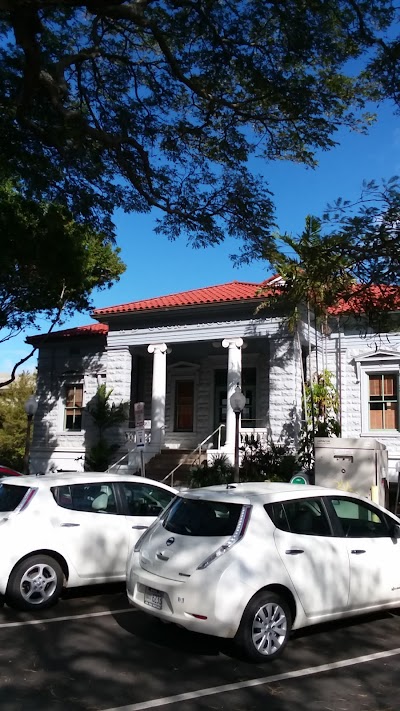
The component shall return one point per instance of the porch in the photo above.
(185, 390)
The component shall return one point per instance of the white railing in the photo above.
(198, 448)
(259, 434)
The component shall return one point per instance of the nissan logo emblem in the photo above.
(170, 541)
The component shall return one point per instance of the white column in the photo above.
(159, 351)
(234, 346)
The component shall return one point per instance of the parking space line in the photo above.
(191, 695)
(65, 618)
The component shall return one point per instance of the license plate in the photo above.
(153, 598)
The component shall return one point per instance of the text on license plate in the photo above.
(153, 598)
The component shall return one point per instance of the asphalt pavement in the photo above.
(92, 652)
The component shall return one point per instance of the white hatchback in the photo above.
(71, 529)
(254, 561)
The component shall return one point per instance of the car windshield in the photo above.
(11, 496)
(195, 517)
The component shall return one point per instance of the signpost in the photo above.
(139, 414)
(140, 432)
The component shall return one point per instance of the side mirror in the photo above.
(395, 530)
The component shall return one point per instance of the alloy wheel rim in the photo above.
(269, 629)
(38, 584)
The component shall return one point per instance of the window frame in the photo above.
(337, 521)
(378, 366)
(66, 407)
(320, 500)
(124, 503)
(382, 401)
(113, 486)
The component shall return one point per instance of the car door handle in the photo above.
(69, 525)
(294, 551)
(140, 528)
(357, 551)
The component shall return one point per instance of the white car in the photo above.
(71, 529)
(253, 561)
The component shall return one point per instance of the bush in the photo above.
(219, 471)
(259, 463)
(267, 462)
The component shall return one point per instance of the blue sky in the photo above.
(156, 267)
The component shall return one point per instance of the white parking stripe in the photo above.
(191, 695)
(44, 621)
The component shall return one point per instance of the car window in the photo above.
(93, 498)
(11, 496)
(145, 499)
(359, 520)
(194, 517)
(305, 516)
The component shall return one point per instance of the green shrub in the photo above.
(219, 471)
(266, 462)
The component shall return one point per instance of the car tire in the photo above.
(35, 583)
(265, 627)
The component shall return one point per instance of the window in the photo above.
(190, 517)
(92, 498)
(304, 516)
(383, 401)
(73, 407)
(145, 499)
(11, 496)
(359, 520)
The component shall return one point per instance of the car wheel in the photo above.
(35, 583)
(265, 627)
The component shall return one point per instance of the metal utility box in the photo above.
(356, 464)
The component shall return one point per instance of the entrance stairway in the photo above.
(163, 463)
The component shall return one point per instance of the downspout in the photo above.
(339, 371)
(311, 383)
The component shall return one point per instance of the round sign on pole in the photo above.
(299, 479)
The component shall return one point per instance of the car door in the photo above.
(143, 504)
(91, 529)
(316, 561)
(373, 554)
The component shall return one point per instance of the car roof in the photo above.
(8, 471)
(45, 481)
(264, 491)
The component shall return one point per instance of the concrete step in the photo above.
(163, 463)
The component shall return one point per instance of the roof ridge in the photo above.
(180, 294)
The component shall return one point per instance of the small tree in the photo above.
(105, 416)
(321, 418)
(13, 419)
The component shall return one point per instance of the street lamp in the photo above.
(238, 401)
(30, 407)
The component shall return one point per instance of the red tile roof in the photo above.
(91, 329)
(222, 293)
(383, 297)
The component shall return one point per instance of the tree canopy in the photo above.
(348, 260)
(49, 263)
(140, 104)
(13, 420)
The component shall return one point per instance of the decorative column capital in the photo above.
(157, 347)
(231, 342)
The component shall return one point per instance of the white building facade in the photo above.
(183, 355)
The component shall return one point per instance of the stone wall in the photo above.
(60, 364)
